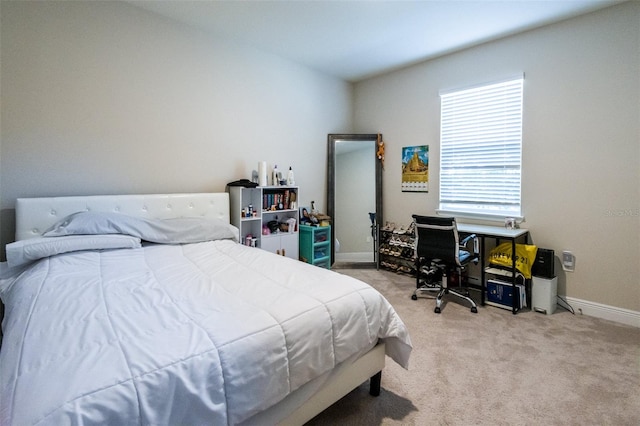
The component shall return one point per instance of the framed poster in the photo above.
(415, 168)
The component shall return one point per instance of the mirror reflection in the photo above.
(354, 199)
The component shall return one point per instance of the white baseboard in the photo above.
(611, 313)
(355, 257)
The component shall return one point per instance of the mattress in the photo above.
(205, 333)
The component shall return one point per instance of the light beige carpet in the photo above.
(496, 368)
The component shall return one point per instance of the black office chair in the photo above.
(439, 252)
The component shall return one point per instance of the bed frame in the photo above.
(35, 215)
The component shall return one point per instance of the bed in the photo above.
(118, 311)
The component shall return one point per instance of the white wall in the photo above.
(581, 161)
(102, 97)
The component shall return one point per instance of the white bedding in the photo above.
(205, 333)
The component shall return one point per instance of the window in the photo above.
(480, 150)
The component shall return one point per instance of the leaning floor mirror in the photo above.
(354, 198)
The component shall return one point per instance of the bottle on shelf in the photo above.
(275, 178)
(290, 179)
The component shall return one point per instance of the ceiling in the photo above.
(357, 39)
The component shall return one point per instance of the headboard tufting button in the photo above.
(53, 212)
(35, 231)
(169, 207)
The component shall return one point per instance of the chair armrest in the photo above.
(476, 249)
(464, 242)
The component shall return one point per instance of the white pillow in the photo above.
(25, 251)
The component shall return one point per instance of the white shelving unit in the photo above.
(253, 209)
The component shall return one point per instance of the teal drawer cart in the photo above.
(315, 245)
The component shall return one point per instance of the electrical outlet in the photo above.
(568, 261)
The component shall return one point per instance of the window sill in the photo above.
(478, 216)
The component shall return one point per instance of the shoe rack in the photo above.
(397, 248)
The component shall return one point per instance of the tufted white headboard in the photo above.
(36, 215)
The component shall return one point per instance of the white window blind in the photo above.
(481, 147)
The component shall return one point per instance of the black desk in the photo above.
(499, 233)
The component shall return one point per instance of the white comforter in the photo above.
(206, 333)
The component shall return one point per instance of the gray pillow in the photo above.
(165, 231)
